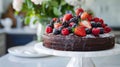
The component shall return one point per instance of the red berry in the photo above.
(90, 18)
(80, 31)
(71, 24)
(85, 24)
(49, 30)
(104, 25)
(96, 19)
(107, 29)
(84, 15)
(95, 31)
(78, 11)
(65, 31)
(54, 19)
(101, 21)
(67, 17)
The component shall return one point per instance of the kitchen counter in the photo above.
(9, 60)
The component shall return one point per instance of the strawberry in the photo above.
(96, 19)
(49, 30)
(57, 25)
(107, 29)
(65, 31)
(80, 31)
(95, 31)
(86, 24)
(67, 17)
(71, 24)
(54, 19)
(84, 15)
(78, 11)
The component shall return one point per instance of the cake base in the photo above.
(75, 43)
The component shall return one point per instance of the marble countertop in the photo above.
(9, 60)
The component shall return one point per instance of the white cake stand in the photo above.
(78, 59)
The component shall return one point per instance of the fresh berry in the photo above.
(70, 29)
(90, 18)
(80, 31)
(74, 19)
(101, 30)
(65, 31)
(88, 30)
(84, 15)
(67, 17)
(54, 19)
(61, 19)
(56, 31)
(101, 21)
(107, 29)
(52, 22)
(99, 24)
(74, 25)
(96, 19)
(85, 24)
(58, 20)
(93, 24)
(71, 24)
(78, 11)
(95, 31)
(49, 30)
(65, 24)
(104, 25)
(57, 25)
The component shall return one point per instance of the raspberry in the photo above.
(101, 21)
(49, 30)
(107, 29)
(96, 19)
(65, 31)
(95, 31)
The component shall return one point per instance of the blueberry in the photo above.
(88, 31)
(74, 19)
(60, 28)
(93, 24)
(55, 31)
(65, 24)
(74, 25)
(101, 30)
(99, 24)
(50, 25)
(70, 29)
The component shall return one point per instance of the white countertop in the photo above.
(9, 60)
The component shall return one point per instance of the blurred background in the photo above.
(14, 32)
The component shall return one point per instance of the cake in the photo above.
(82, 32)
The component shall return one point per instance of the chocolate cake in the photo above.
(82, 32)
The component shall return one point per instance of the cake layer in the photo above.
(72, 42)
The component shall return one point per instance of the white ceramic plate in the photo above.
(25, 51)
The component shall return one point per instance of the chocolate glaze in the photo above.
(72, 42)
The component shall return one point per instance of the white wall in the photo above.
(109, 10)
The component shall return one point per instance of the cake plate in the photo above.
(80, 58)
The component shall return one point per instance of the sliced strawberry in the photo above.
(67, 17)
(86, 24)
(84, 15)
(78, 11)
(80, 31)
(57, 25)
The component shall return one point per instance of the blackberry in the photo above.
(88, 31)
(99, 24)
(65, 24)
(52, 22)
(93, 24)
(56, 32)
(58, 20)
(75, 20)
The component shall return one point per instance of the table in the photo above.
(54, 61)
